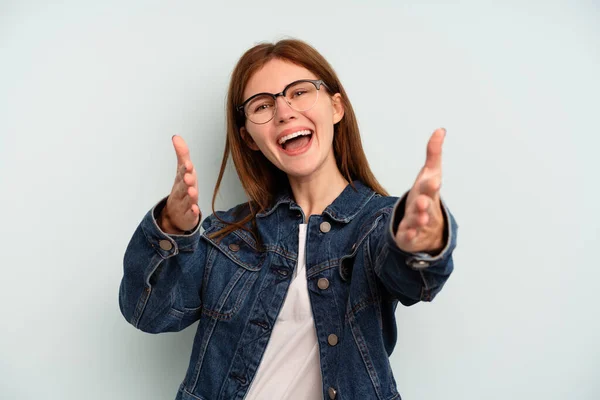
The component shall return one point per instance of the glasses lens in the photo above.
(302, 96)
(260, 109)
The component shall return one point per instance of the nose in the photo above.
(283, 112)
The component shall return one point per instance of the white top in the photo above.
(290, 367)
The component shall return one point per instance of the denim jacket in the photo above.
(356, 276)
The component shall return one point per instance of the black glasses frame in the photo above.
(317, 82)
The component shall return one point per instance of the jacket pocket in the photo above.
(346, 262)
(232, 268)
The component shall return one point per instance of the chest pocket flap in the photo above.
(237, 249)
(347, 260)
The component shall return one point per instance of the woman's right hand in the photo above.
(181, 212)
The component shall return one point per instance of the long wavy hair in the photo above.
(261, 180)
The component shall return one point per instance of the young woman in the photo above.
(295, 290)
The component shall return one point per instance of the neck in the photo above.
(315, 192)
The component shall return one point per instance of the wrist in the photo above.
(167, 226)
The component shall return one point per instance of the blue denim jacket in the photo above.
(356, 275)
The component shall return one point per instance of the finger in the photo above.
(182, 182)
(190, 178)
(430, 186)
(417, 214)
(434, 149)
(183, 171)
(193, 194)
(181, 150)
(408, 235)
(415, 221)
(195, 178)
(421, 204)
(190, 213)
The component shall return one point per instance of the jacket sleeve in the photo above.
(412, 277)
(162, 277)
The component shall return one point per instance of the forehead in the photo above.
(274, 76)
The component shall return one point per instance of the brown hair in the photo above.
(260, 179)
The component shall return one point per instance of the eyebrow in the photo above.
(281, 91)
(286, 85)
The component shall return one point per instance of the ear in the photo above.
(338, 108)
(248, 139)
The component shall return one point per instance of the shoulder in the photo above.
(378, 204)
(378, 209)
(219, 219)
(382, 203)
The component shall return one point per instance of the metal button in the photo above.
(323, 283)
(165, 245)
(420, 264)
(234, 247)
(332, 393)
(325, 227)
(332, 339)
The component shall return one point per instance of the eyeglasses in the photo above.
(300, 95)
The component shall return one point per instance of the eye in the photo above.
(299, 92)
(262, 107)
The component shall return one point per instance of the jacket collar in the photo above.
(343, 209)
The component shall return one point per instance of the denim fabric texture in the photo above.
(356, 277)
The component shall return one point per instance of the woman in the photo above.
(296, 289)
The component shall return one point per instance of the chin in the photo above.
(299, 174)
(302, 171)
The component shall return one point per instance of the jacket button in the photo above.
(332, 393)
(165, 245)
(234, 247)
(323, 283)
(419, 264)
(332, 339)
(325, 227)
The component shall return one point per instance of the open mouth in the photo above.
(296, 141)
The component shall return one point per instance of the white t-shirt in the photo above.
(290, 367)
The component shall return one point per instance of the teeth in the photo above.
(293, 135)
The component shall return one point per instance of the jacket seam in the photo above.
(143, 302)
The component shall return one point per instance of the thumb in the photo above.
(434, 150)
(181, 149)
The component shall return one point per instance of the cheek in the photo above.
(326, 111)
(323, 118)
(256, 134)
(260, 138)
(319, 116)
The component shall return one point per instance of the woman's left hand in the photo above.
(422, 227)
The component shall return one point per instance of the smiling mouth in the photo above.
(296, 140)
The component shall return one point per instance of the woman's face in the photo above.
(305, 155)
